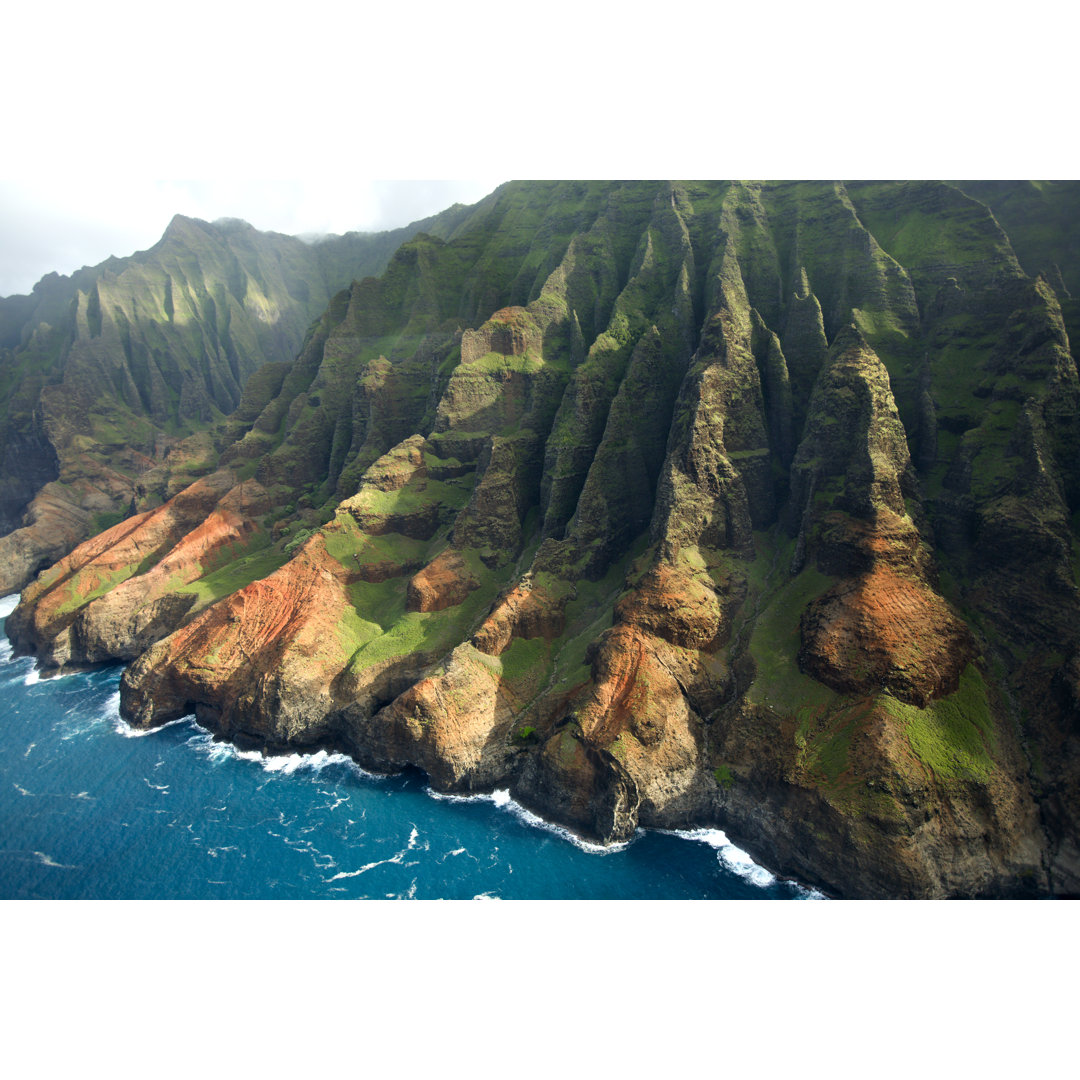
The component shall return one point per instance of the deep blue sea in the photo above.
(92, 809)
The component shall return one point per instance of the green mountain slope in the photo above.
(102, 374)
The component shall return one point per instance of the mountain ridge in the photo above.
(108, 370)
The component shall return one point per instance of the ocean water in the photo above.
(92, 809)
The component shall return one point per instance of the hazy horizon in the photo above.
(53, 227)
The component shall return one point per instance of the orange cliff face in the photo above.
(261, 660)
(445, 582)
(883, 626)
(46, 621)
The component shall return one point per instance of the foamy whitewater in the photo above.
(93, 808)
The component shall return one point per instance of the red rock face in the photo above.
(53, 601)
(273, 642)
(637, 713)
(525, 613)
(443, 583)
(144, 608)
(674, 606)
(885, 630)
(883, 627)
(453, 723)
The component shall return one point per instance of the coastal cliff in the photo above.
(662, 505)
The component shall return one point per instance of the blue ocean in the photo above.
(92, 809)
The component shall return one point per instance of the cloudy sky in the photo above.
(285, 116)
(51, 224)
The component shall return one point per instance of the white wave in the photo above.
(47, 860)
(398, 858)
(111, 711)
(6, 651)
(728, 855)
(486, 896)
(8, 604)
(22, 790)
(446, 796)
(34, 676)
(215, 852)
(284, 764)
(715, 838)
(323, 860)
(738, 861)
(156, 787)
(502, 800)
(122, 727)
(341, 875)
(204, 742)
(29, 748)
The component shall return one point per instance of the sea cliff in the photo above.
(659, 504)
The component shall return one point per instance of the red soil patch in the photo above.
(443, 583)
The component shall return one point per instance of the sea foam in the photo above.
(738, 861)
(502, 800)
(202, 741)
(285, 764)
(397, 859)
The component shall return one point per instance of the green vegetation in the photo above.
(411, 498)
(779, 601)
(825, 742)
(524, 658)
(87, 585)
(233, 575)
(497, 364)
(954, 736)
(349, 545)
(101, 522)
